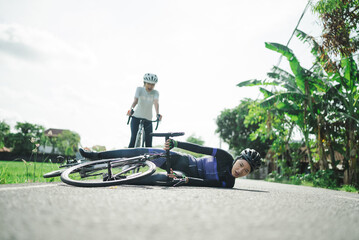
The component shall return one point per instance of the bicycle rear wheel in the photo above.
(96, 173)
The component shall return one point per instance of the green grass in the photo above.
(344, 188)
(12, 172)
(26, 172)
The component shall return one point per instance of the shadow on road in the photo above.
(138, 186)
(250, 190)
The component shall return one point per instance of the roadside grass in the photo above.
(26, 172)
(295, 181)
(15, 172)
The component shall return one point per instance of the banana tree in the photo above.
(297, 100)
(343, 94)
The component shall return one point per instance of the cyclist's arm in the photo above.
(137, 95)
(191, 181)
(216, 152)
(130, 112)
(157, 107)
(135, 101)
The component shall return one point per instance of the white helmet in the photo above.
(150, 78)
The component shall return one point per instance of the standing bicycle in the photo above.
(145, 98)
(140, 139)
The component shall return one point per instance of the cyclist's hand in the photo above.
(171, 174)
(159, 117)
(170, 144)
(180, 179)
(130, 112)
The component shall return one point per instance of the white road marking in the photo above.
(27, 187)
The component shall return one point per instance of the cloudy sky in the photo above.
(76, 64)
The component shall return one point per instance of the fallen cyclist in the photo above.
(217, 169)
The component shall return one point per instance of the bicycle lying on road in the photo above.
(140, 137)
(110, 172)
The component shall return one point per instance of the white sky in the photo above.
(76, 64)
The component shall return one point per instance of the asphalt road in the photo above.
(252, 210)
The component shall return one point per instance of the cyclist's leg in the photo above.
(148, 131)
(153, 179)
(180, 162)
(156, 179)
(133, 152)
(135, 122)
(127, 152)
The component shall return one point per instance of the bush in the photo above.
(322, 178)
(349, 188)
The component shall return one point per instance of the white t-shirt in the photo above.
(145, 103)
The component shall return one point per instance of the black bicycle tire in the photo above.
(56, 173)
(66, 179)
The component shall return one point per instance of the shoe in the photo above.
(89, 155)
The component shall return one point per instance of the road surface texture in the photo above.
(252, 210)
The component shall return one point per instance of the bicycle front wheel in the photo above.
(55, 173)
(103, 173)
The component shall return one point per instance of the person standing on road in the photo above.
(145, 98)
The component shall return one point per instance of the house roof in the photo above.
(53, 132)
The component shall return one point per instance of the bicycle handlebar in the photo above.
(167, 135)
(129, 117)
(157, 120)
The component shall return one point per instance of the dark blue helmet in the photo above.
(252, 157)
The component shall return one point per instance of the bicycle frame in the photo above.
(140, 139)
(118, 162)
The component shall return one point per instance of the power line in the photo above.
(296, 27)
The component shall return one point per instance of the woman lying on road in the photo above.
(218, 169)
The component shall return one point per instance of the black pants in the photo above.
(135, 123)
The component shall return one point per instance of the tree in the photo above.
(4, 132)
(98, 148)
(68, 142)
(195, 140)
(23, 142)
(340, 20)
(277, 128)
(233, 130)
(321, 103)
